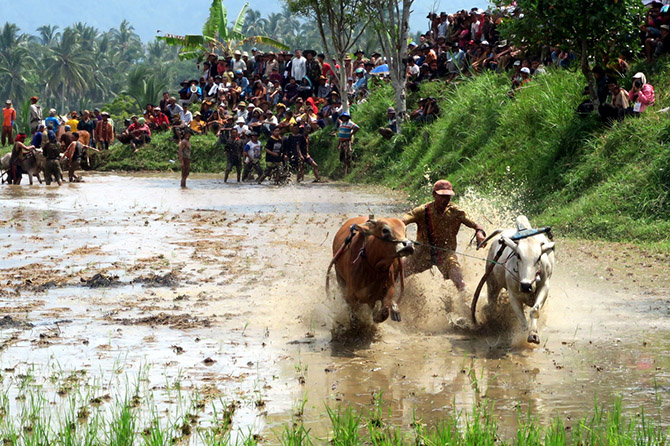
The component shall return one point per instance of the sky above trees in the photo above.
(174, 16)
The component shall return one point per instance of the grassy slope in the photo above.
(207, 155)
(570, 171)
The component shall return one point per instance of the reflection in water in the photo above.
(251, 265)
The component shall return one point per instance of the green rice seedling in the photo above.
(346, 425)
(122, 426)
(295, 434)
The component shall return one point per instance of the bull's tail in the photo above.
(487, 273)
(332, 262)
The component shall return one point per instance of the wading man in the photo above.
(184, 153)
(438, 223)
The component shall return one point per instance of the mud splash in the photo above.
(223, 286)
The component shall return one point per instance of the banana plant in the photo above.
(216, 35)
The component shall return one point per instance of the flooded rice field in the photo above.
(219, 291)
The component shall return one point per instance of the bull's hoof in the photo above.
(534, 338)
(395, 313)
(381, 316)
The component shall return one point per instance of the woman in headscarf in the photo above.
(641, 95)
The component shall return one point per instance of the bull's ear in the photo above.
(510, 244)
(547, 247)
(364, 229)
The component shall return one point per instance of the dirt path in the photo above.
(222, 286)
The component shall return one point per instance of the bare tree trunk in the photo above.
(588, 74)
(342, 74)
(392, 25)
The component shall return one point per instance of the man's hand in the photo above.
(481, 236)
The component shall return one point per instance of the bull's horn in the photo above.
(546, 247)
(510, 244)
(522, 223)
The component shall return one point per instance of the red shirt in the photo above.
(326, 70)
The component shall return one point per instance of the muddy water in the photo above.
(222, 287)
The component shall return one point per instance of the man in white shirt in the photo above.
(186, 115)
(241, 127)
(35, 114)
(298, 66)
(238, 63)
(442, 27)
(174, 108)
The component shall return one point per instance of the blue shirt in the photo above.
(37, 140)
(53, 121)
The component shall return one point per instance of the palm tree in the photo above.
(48, 34)
(67, 69)
(13, 70)
(254, 24)
(10, 37)
(127, 41)
(144, 87)
(217, 35)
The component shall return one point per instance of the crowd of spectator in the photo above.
(253, 100)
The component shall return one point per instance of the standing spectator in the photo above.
(38, 137)
(52, 120)
(346, 131)
(233, 147)
(104, 132)
(238, 63)
(274, 154)
(313, 67)
(86, 124)
(75, 153)
(252, 157)
(163, 104)
(35, 114)
(298, 66)
(184, 154)
(8, 117)
(52, 170)
(73, 122)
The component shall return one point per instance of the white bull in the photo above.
(528, 265)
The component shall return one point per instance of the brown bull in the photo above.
(367, 257)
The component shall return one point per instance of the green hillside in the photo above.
(574, 172)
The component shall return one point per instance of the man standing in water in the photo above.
(184, 153)
(438, 223)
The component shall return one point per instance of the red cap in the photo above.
(443, 187)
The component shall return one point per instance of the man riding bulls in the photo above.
(438, 223)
